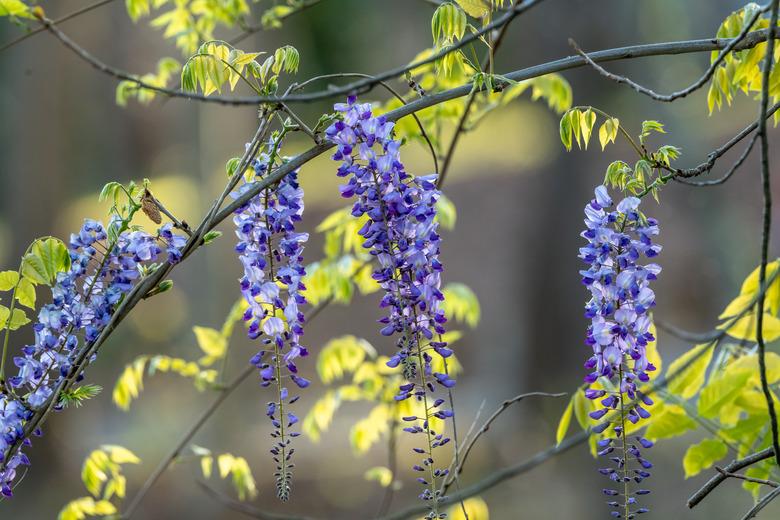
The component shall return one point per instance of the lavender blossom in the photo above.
(83, 301)
(270, 251)
(619, 333)
(401, 233)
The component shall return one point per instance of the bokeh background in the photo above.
(519, 197)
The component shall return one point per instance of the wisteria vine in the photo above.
(270, 251)
(401, 233)
(102, 270)
(619, 333)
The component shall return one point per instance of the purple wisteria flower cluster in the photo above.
(619, 334)
(270, 251)
(84, 298)
(401, 233)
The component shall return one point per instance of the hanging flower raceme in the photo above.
(270, 251)
(619, 334)
(84, 299)
(401, 233)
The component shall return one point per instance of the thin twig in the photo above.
(767, 217)
(252, 29)
(198, 424)
(392, 91)
(243, 508)
(356, 87)
(58, 21)
(635, 51)
(728, 174)
(696, 85)
(746, 478)
(762, 504)
(461, 126)
(733, 467)
(485, 427)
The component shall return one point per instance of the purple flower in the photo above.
(620, 329)
(270, 251)
(83, 301)
(401, 233)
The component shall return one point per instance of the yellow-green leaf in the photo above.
(670, 421)
(8, 280)
(380, 474)
(563, 424)
(475, 8)
(685, 382)
(703, 455)
(211, 342)
(25, 293)
(722, 390)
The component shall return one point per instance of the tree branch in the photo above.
(667, 98)
(740, 476)
(58, 21)
(636, 51)
(733, 467)
(767, 217)
(762, 504)
(485, 427)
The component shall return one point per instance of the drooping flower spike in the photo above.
(270, 251)
(619, 334)
(401, 233)
(83, 301)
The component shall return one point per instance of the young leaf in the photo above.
(563, 424)
(587, 120)
(687, 381)
(703, 455)
(8, 280)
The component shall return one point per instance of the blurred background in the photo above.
(519, 197)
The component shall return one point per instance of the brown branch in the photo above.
(762, 504)
(733, 467)
(58, 21)
(766, 227)
(746, 478)
(244, 508)
(696, 85)
(252, 29)
(485, 427)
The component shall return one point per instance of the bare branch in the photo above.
(485, 427)
(243, 508)
(740, 476)
(733, 467)
(728, 174)
(636, 51)
(58, 21)
(766, 228)
(696, 85)
(762, 504)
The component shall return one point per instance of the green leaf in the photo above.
(448, 23)
(721, 391)
(461, 304)
(25, 293)
(670, 421)
(686, 382)
(566, 130)
(211, 236)
(703, 455)
(8, 280)
(563, 424)
(608, 132)
(587, 120)
(47, 258)
(475, 8)
(380, 474)
(212, 343)
(18, 320)
(14, 8)
(446, 213)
